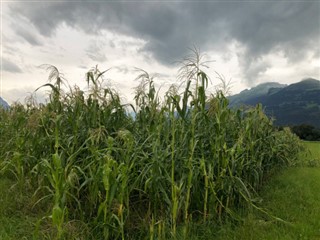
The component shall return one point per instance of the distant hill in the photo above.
(4, 104)
(258, 91)
(293, 104)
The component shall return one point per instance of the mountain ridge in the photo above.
(294, 104)
(3, 103)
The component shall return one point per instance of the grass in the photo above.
(311, 156)
(292, 195)
(21, 218)
(314, 149)
(16, 217)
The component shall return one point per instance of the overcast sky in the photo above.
(250, 42)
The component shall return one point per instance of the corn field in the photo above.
(183, 159)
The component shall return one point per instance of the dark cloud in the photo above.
(10, 66)
(283, 24)
(28, 36)
(122, 69)
(254, 69)
(111, 44)
(96, 52)
(169, 28)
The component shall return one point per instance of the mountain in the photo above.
(258, 91)
(293, 104)
(4, 104)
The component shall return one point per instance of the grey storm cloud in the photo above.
(95, 51)
(28, 36)
(10, 66)
(169, 28)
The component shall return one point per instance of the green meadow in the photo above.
(293, 195)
